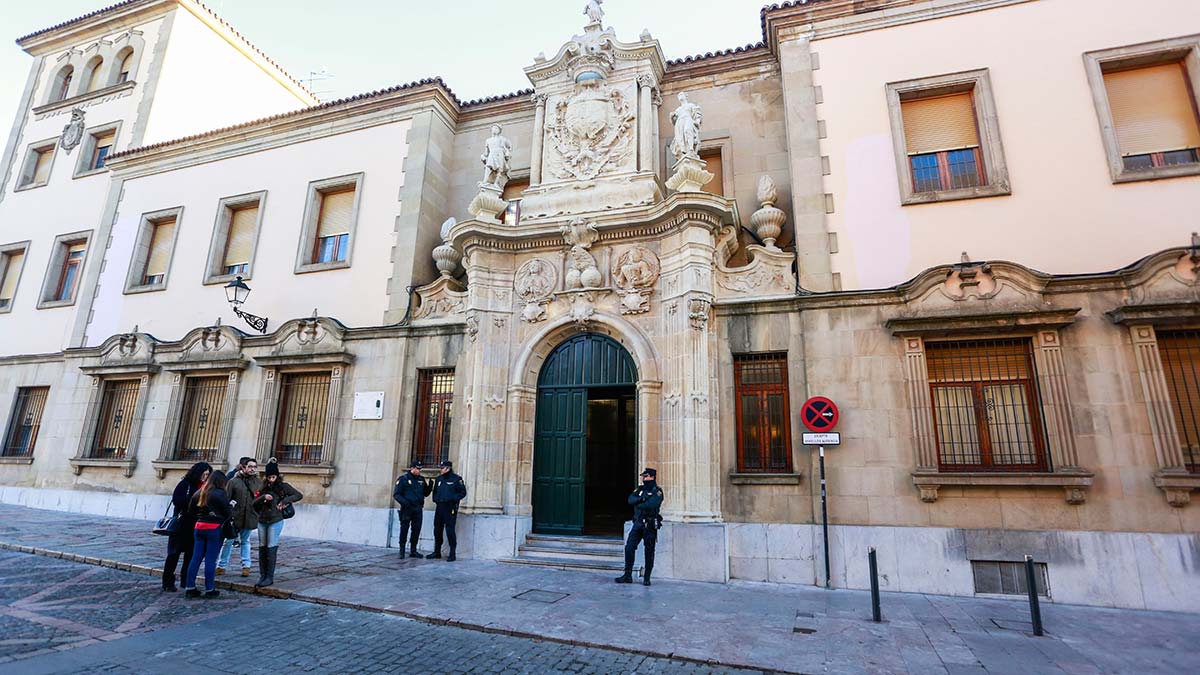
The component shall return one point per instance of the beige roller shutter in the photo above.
(940, 123)
(160, 248)
(336, 208)
(1152, 109)
(241, 236)
(94, 80)
(12, 270)
(77, 247)
(716, 186)
(41, 171)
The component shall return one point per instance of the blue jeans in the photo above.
(268, 535)
(206, 549)
(243, 540)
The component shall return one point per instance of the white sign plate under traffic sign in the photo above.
(827, 438)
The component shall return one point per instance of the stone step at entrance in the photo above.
(600, 554)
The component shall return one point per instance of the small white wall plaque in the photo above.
(368, 405)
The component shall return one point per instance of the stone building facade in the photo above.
(883, 203)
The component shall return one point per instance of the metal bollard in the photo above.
(1035, 610)
(876, 614)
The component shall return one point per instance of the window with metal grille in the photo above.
(986, 409)
(1008, 578)
(763, 431)
(1180, 354)
(435, 412)
(25, 422)
(115, 420)
(200, 421)
(303, 407)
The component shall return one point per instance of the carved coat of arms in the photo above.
(72, 133)
(591, 131)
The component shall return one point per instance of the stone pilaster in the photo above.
(266, 415)
(917, 378)
(647, 120)
(539, 132)
(1056, 401)
(518, 460)
(1172, 477)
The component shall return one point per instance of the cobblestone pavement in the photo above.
(784, 628)
(69, 617)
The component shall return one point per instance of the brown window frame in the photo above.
(70, 259)
(29, 400)
(1187, 411)
(308, 454)
(1033, 405)
(211, 389)
(741, 364)
(432, 446)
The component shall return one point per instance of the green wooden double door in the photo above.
(585, 443)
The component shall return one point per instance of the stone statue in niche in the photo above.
(594, 12)
(686, 118)
(497, 153)
(72, 133)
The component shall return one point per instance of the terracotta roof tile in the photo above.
(78, 19)
(499, 97)
(712, 55)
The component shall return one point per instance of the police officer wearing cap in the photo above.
(646, 501)
(448, 490)
(410, 492)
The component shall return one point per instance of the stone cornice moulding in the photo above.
(209, 364)
(104, 22)
(314, 359)
(17, 359)
(624, 51)
(984, 322)
(115, 369)
(76, 101)
(1183, 312)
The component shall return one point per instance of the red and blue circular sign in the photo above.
(819, 414)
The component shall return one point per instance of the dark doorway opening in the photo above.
(611, 459)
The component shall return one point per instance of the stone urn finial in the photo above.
(445, 256)
(768, 221)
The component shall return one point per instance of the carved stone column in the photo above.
(1172, 477)
(266, 415)
(1056, 401)
(539, 126)
(518, 451)
(646, 123)
(917, 377)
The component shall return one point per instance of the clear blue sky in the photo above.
(479, 47)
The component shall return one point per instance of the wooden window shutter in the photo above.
(940, 123)
(242, 222)
(336, 209)
(12, 270)
(715, 161)
(41, 170)
(160, 248)
(1152, 109)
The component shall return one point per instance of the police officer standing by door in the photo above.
(410, 492)
(646, 501)
(448, 490)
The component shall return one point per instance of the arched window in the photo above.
(61, 86)
(93, 74)
(124, 65)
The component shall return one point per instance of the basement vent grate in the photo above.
(1007, 578)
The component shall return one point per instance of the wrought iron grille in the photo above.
(200, 419)
(435, 411)
(25, 422)
(764, 433)
(115, 421)
(1180, 354)
(303, 404)
(986, 407)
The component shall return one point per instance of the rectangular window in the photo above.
(162, 236)
(512, 194)
(25, 422)
(11, 263)
(763, 416)
(435, 411)
(943, 142)
(98, 143)
(243, 223)
(303, 403)
(987, 414)
(1154, 115)
(71, 267)
(333, 226)
(200, 421)
(36, 170)
(1180, 354)
(1008, 578)
(115, 420)
(102, 147)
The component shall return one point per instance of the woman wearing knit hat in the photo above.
(271, 504)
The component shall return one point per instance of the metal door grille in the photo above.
(116, 419)
(303, 405)
(986, 408)
(25, 422)
(435, 411)
(764, 433)
(200, 421)
(1180, 353)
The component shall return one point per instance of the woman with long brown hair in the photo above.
(181, 540)
(211, 509)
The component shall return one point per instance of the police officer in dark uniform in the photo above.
(448, 490)
(411, 491)
(646, 501)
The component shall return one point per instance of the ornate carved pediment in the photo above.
(301, 339)
(768, 275)
(128, 349)
(976, 286)
(207, 347)
(445, 300)
(1170, 276)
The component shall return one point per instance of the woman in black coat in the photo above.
(182, 539)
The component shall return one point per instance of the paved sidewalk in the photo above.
(765, 626)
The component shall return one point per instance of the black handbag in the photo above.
(288, 511)
(167, 525)
(228, 531)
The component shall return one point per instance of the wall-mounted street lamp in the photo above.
(237, 291)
